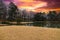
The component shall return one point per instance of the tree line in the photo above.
(50, 16)
(13, 14)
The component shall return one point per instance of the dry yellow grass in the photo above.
(28, 33)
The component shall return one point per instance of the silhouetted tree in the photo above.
(39, 17)
(12, 11)
(58, 17)
(18, 17)
(3, 11)
(51, 15)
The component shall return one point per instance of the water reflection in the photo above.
(53, 24)
(40, 23)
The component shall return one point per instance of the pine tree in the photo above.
(52, 15)
(3, 10)
(12, 11)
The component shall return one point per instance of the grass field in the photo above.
(28, 33)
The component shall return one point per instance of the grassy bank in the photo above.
(28, 33)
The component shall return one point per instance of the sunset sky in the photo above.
(38, 5)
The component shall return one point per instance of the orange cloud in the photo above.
(36, 6)
(26, 0)
(46, 10)
(31, 4)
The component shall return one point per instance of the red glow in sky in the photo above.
(38, 5)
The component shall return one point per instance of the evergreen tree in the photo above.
(3, 11)
(52, 15)
(58, 17)
(12, 11)
(39, 17)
